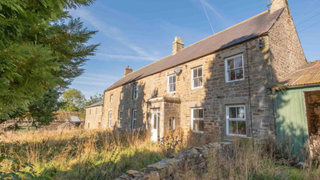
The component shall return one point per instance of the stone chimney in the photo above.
(278, 4)
(127, 70)
(177, 45)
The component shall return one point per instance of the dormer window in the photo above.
(234, 68)
(172, 83)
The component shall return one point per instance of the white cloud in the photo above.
(95, 79)
(103, 56)
(113, 33)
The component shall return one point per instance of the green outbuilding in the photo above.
(297, 109)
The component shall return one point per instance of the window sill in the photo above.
(198, 132)
(171, 92)
(236, 135)
(235, 80)
(193, 88)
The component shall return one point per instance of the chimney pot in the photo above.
(177, 45)
(127, 70)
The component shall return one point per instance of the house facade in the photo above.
(94, 116)
(218, 85)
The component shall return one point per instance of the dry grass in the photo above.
(256, 162)
(81, 154)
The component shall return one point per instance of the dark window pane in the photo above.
(196, 113)
(195, 82)
(239, 74)
(200, 113)
(174, 79)
(242, 128)
(201, 125)
(200, 81)
(233, 127)
(195, 74)
(133, 124)
(199, 72)
(195, 125)
(198, 125)
(230, 64)
(232, 112)
(238, 62)
(232, 75)
(240, 112)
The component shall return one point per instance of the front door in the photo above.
(155, 124)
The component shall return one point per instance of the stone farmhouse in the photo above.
(219, 85)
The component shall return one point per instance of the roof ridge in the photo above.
(224, 30)
(205, 38)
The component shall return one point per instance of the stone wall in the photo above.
(196, 159)
(213, 97)
(285, 48)
(93, 117)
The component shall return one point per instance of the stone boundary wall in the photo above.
(195, 159)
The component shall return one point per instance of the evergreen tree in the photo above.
(42, 49)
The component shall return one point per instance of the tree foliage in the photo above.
(42, 49)
(73, 100)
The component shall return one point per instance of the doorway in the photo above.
(313, 112)
(155, 118)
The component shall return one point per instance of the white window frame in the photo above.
(119, 119)
(135, 90)
(121, 96)
(134, 119)
(111, 98)
(175, 84)
(235, 119)
(201, 119)
(192, 84)
(110, 118)
(226, 68)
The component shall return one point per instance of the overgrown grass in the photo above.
(251, 161)
(81, 154)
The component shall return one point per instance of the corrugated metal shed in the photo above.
(306, 75)
(291, 119)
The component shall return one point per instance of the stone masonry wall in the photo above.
(93, 116)
(285, 49)
(213, 97)
(196, 159)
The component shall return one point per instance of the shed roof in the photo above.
(100, 103)
(248, 29)
(306, 75)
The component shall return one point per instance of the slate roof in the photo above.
(96, 104)
(251, 28)
(307, 75)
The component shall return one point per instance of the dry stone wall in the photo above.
(195, 159)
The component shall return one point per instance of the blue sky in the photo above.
(138, 32)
